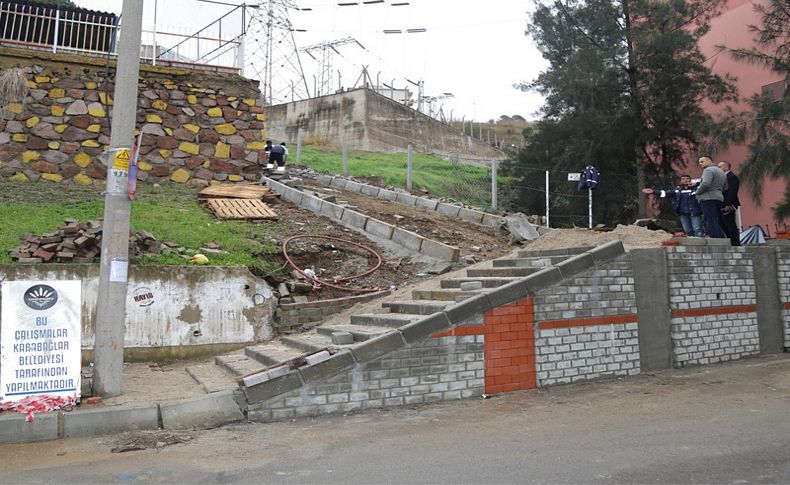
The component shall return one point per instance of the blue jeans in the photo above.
(711, 209)
(692, 225)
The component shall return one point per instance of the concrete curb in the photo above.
(374, 227)
(209, 411)
(452, 210)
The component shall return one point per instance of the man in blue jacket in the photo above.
(685, 205)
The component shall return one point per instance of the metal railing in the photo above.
(57, 29)
(220, 44)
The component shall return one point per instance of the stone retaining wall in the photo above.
(197, 127)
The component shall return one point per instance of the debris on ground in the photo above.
(38, 404)
(631, 236)
(78, 242)
(143, 440)
(520, 228)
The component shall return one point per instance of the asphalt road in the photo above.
(725, 423)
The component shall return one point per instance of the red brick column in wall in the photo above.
(509, 347)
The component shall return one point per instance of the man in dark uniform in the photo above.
(278, 155)
(731, 204)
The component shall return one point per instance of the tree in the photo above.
(628, 74)
(59, 3)
(766, 125)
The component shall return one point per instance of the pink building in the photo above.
(731, 29)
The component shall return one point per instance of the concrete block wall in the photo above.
(783, 272)
(713, 302)
(586, 326)
(434, 369)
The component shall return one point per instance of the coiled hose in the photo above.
(334, 283)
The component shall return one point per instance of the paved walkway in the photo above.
(725, 423)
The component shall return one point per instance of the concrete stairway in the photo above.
(391, 316)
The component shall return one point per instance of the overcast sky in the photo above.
(476, 50)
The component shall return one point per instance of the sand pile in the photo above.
(632, 237)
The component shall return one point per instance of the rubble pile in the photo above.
(78, 242)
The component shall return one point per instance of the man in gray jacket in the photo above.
(710, 195)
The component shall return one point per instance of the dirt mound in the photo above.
(632, 237)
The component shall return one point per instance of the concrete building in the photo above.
(731, 29)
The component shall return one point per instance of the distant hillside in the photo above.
(504, 133)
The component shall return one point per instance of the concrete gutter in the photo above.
(365, 224)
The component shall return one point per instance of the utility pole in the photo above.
(111, 300)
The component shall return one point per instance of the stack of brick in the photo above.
(77, 243)
(196, 129)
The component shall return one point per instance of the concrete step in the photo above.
(390, 320)
(486, 282)
(501, 272)
(531, 262)
(238, 363)
(211, 377)
(452, 295)
(527, 253)
(271, 353)
(359, 332)
(415, 307)
(308, 342)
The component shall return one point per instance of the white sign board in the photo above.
(40, 338)
(574, 177)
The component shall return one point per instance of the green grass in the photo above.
(441, 178)
(169, 212)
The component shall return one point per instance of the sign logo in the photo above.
(41, 297)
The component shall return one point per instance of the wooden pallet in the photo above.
(240, 209)
(235, 191)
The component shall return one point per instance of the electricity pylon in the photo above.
(273, 56)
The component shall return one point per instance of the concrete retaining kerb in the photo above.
(355, 219)
(386, 194)
(311, 203)
(606, 252)
(406, 199)
(273, 388)
(492, 220)
(378, 228)
(427, 204)
(448, 209)
(352, 186)
(374, 348)
(575, 264)
(108, 420)
(339, 362)
(332, 211)
(14, 428)
(338, 182)
(209, 411)
(407, 239)
(370, 190)
(470, 215)
(324, 179)
(439, 251)
(425, 327)
(465, 309)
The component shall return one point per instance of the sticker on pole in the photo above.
(121, 159)
(40, 339)
(574, 177)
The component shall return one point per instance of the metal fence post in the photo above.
(409, 167)
(298, 147)
(548, 224)
(57, 30)
(345, 156)
(589, 208)
(493, 184)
